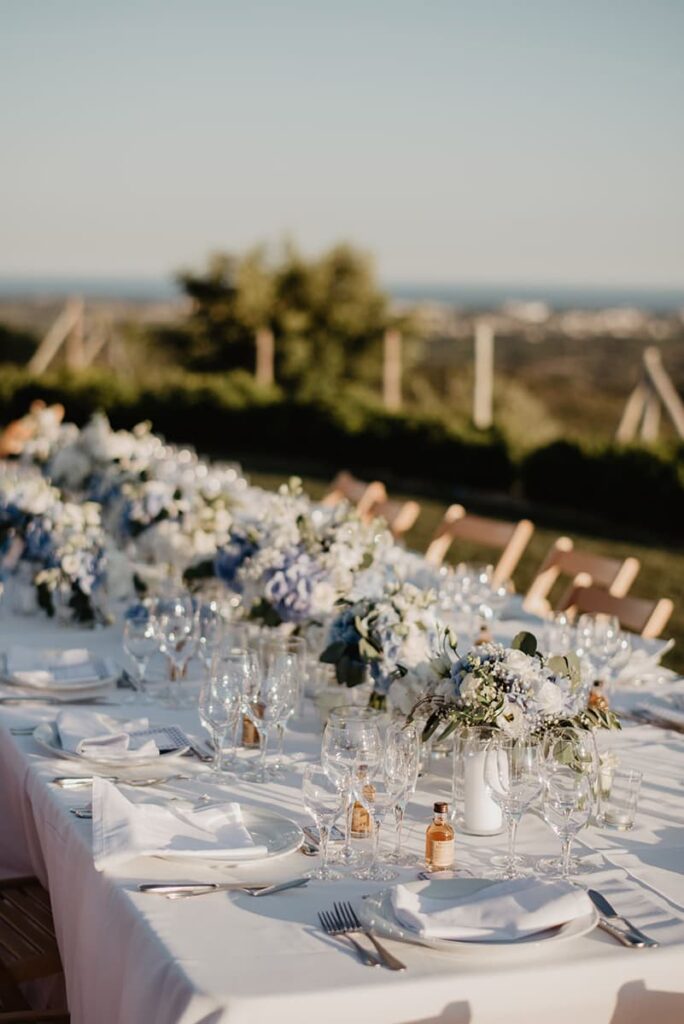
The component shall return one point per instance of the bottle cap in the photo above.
(440, 807)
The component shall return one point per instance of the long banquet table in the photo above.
(131, 958)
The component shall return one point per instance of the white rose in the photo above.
(550, 698)
(512, 720)
(469, 687)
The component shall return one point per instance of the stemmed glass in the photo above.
(573, 752)
(237, 672)
(178, 639)
(351, 739)
(209, 631)
(513, 777)
(140, 642)
(322, 801)
(269, 705)
(378, 795)
(217, 706)
(567, 807)
(291, 650)
(402, 760)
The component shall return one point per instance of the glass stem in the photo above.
(375, 863)
(264, 750)
(324, 834)
(348, 824)
(218, 736)
(280, 733)
(512, 833)
(399, 821)
(566, 850)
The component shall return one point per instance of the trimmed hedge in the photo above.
(228, 415)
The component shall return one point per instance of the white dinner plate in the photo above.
(106, 674)
(278, 834)
(376, 912)
(46, 736)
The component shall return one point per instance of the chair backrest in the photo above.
(399, 515)
(363, 495)
(637, 614)
(615, 575)
(509, 538)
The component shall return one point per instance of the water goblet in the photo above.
(269, 705)
(322, 801)
(216, 712)
(140, 642)
(177, 634)
(237, 670)
(351, 739)
(565, 749)
(513, 777)
(567, 804)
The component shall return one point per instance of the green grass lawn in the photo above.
(661, 575)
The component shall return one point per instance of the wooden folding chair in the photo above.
(510, 538)
(28, 949)
(637, 614)
(364, 496)
(399, 515)
(615, 575)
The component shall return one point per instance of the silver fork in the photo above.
(346, 915)
(330, 926)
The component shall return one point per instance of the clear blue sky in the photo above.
(489, 140)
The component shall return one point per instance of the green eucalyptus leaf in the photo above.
(525, 642)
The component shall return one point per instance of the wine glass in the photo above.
(513, 777)
(209, 631)
(377, 796)
(402, 760)
(269, 705)
(351, 739)
(216, 709)
(291, 650)
(237, 670)
(177, 634)
(565, 749)
(567, 805)
(322, 801)
(140, 642)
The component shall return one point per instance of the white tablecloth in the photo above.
(132, 958)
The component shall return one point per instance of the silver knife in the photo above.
(634, 935)
(58, 700)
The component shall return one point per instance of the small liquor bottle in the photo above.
(439, 840)
(361, 819)
(483, 636)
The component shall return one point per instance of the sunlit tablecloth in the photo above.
(136, 959)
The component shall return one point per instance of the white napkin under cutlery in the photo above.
(94, 734)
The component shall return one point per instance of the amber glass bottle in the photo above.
(439, 840)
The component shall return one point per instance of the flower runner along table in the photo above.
(132, 958)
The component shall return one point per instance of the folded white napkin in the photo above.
(505, 910)
(641, 665)
(51, 668)
(95, 735)
(122, 830)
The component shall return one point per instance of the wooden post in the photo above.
(650, 423)
(632, 414)
(391, 372)
(73, 343)
(265, 347)
(664, 387)
(483, 397)
(55, 337)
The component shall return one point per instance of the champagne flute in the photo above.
(402, 759)
(322, 801)
(377, 796)
(209, 631)
(177, 632)
(513, 777)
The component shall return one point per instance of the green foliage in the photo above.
(229, 415)
(630, 485)
(327, 315)
(16, 345)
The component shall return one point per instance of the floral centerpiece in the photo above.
(515, 689)
(391, 638)
(292, 561)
